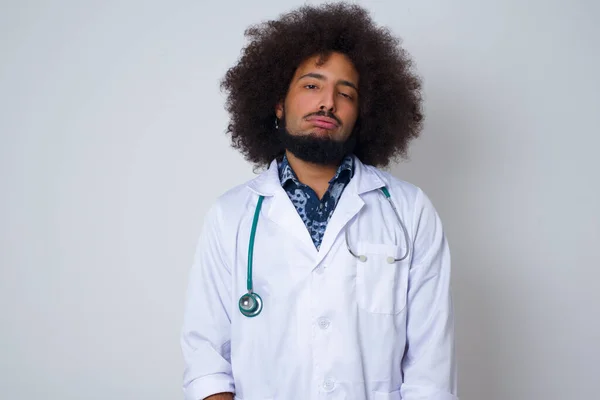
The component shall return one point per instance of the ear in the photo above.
(279, 110)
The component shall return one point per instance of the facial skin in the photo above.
(322, 100)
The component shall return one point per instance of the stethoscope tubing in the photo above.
(249, 283)
(250, 304)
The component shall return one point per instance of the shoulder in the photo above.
(234, 197)
(234, 203)
(413, 199)
(398, 187)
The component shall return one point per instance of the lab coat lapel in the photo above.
(349, 205)
(278, 207)
(284, 214)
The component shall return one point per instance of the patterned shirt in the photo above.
(315, 213)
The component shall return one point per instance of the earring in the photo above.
(276, 123)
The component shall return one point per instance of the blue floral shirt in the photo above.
(314, 212)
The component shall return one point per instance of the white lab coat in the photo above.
(332, 327)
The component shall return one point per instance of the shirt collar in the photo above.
(286, 173)
(365, 178)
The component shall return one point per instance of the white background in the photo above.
(112, 147)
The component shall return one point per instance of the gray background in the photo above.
(112, 149)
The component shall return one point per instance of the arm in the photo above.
(205, 338)
(429, 365)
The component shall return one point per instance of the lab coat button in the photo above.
(328, 385)
(324, 323)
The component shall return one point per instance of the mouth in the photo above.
(323, 122)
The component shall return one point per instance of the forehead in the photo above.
(335, 65)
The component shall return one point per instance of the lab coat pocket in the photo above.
(381, 283)
(395, 395)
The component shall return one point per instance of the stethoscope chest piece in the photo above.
(250, 304)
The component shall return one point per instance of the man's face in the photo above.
(321, 107)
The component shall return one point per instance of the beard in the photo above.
(315, 149)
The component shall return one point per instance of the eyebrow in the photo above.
(322, 78)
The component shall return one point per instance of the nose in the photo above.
(328, 101)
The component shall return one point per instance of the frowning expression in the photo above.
(322, 98)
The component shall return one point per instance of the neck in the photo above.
(315, 176)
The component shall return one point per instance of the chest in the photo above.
(355, 266)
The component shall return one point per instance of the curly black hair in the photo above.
(390, 110)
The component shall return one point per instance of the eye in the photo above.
(311, 86)
(346, 95)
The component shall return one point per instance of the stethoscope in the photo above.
(251, 303)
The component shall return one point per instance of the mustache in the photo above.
(324, 114)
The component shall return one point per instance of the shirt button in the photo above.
(320, 269)
(328, 385)
(324, 323)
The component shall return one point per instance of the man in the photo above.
(324, 277)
